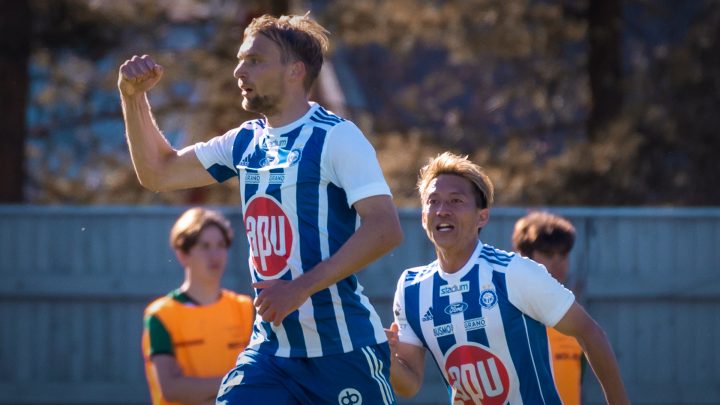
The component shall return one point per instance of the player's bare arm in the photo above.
(378, 234)
(158, 165)
(175, 386)
(578, 323)
(407, 364)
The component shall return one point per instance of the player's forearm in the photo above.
(374, 238)
(602, 360)
(403, 379)
(191, 390)
(148, 147)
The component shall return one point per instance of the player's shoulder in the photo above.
(240, 299)
(330, 122)
(323, 116)
(497, 258)
(416, 275)
(521, 267)
(249, 127)
(158, 304)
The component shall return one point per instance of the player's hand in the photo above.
(392, 337)
(138, 75)
(277, 300)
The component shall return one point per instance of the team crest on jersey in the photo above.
(488, 299)
(477, 375)
(270, 236)
(294, 156)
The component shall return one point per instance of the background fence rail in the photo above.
(74, 282)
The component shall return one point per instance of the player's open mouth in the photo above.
(444, 227)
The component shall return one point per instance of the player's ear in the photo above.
(297, 70)
(181, 257)
(483, 217)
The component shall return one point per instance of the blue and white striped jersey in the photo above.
(297, 185)
(485, 325)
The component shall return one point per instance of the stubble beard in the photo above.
(264, 105)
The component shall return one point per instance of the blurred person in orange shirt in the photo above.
(548, 239)
(193, 335)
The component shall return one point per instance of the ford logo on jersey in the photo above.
(456, 308)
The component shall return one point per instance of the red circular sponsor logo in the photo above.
(477, 375)
(270, 236)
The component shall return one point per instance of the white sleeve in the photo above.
(535, 292)
(352, 164)
(405, 332)
(216, 155)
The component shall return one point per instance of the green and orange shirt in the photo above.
(204, 339)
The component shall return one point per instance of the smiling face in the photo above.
(207, 258)
(451, 216)
(261, 75)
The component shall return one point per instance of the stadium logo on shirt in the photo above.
(270, 236)
(488, 299)
(476, 375)
(456, 308)
(266, 143)
(448, 289)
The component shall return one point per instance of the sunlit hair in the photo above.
(543, 232)
(187, 229)
(449, 163)
(299, 38)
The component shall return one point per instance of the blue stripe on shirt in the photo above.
(474, 311)
(308, 197)
(441, 317)
(518, 338)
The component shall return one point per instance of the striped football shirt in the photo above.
(485, 325)
(298, 184)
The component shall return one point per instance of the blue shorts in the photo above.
(358, 377)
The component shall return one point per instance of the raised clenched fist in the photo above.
(138, 75)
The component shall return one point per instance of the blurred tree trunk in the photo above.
(604, 63)
(14, 79)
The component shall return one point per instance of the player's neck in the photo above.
(293, 109)
(204, 293)
(453, 259)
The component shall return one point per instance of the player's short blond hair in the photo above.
(449, 163)
(188, 227)
(299, 37)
